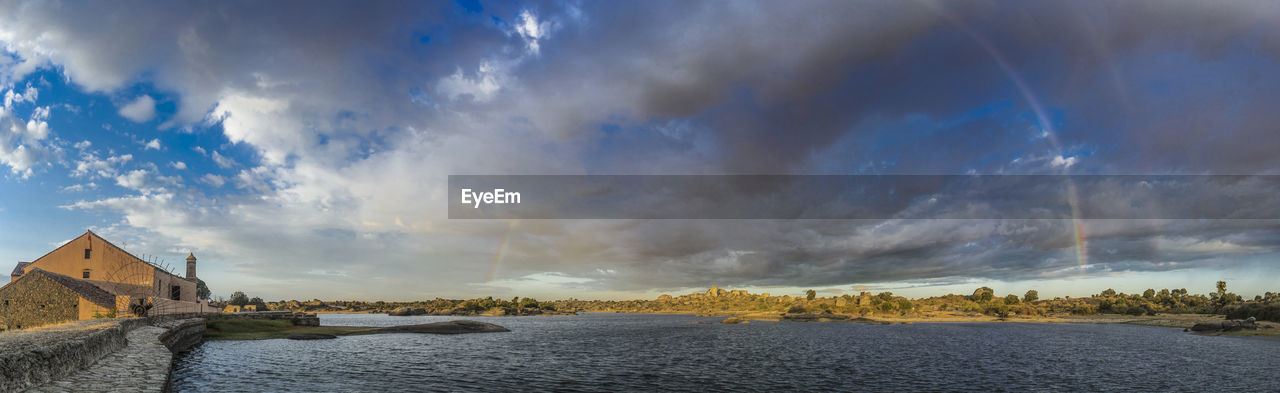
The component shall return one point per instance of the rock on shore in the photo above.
(1225, 326)
(449, 327)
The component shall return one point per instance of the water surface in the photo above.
(633, 352)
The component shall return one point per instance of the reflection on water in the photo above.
(628, 352)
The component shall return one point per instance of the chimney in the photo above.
(191, 266)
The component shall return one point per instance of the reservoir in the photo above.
(644, 352)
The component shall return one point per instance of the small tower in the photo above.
(191, 266)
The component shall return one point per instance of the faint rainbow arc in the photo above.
(1079, 234)
(501, 252)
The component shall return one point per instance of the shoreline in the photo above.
(1178, 321)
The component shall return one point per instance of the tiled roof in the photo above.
(83, 288)
(17, 271)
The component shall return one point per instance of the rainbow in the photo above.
(502, 251)
(1073, 199)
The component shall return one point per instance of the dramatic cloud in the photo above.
(330, 132)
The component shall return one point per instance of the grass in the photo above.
(259, 329)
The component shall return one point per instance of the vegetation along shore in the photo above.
(1176, 308)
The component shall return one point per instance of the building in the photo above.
(89, 277)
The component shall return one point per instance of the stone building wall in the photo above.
(36, 301)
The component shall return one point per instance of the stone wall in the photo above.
(33, 357)
(35, 301)
(182, 334)
(76, 356)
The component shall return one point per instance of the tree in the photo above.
(238, 299)
(1031, 296)
(528, 303)
(1011, 299)
(202, 290)
(983, 294)
(1222, 288)
(1109, 292)
(810, 294)
(1149, 293)
(257, 301)
(904, 304)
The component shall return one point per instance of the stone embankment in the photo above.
(116, 355)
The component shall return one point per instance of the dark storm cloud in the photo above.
(776, 83)
(1136, 87)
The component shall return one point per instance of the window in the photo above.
(86, 273)
(86, 253)
(175, 292)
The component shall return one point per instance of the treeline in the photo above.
(983, 301)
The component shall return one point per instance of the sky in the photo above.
(301, 149)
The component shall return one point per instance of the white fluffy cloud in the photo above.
(532, 30)
(223, 162)
(140, 109)
(135, 179)
(24, 144)
(213, 180)
(91, 166)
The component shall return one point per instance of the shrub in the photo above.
(1261, 311)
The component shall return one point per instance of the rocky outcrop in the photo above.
(298, 318)
(312, 336)
(829, 318)
(449, 327)
(1226, 326)
(731, 320)
(406, 311)
(463, 312)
